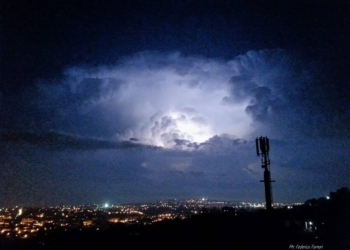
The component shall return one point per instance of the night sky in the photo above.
(130, 101)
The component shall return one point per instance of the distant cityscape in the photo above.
(29, 222)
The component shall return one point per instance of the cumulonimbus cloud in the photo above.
(201, 114)
(162, 99)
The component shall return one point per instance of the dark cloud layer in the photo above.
(290, 95)
(222, 168)
(53, 140)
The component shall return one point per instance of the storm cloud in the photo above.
(159, 98)
(162, 125)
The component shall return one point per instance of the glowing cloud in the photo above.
(164, 98)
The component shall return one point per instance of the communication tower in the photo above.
(262, 149)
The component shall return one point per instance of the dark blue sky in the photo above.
(191, 82)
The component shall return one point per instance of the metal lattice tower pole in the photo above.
(262, 149)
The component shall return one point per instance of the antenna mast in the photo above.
(262, 149)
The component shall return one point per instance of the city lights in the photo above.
(28, 222)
